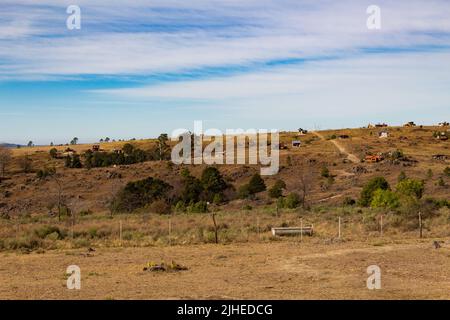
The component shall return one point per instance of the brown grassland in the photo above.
(248, 262)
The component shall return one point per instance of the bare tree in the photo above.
(5, 159)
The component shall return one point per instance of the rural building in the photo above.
(383, 134)
(96, 147)
(296, 143)
(441, 136)
(373, 158)
(410, 124)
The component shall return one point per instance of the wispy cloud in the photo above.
(307, 56)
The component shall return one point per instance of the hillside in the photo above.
(25, 194)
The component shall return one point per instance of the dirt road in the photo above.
(350, 156)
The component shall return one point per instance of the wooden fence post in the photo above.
(339, 233)
(215, 228)
(420, 225)
(381, 226)
(170, 230)
(120, 232)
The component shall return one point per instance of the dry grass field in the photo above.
(248, 262)
(281, 270)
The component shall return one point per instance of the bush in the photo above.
(348, 201)
(385, 199)
(369, 189)
(402, 176)
(138, 194)
(277, 190)
(447, 171)
(53, 153)
(192, 188)
(292, 201)
(44, 173)
(160, 206)
(244, 191)
(44, 231)
(325, 173)
(411, 187)
(212, 183)
(256, 184)
(199, 207)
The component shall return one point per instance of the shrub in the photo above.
(199, 207)
(385, 199)
(402, 176)
(411, 187)
(256, 184)
(44, 231)
(218, 198)
(46, 172)
(348, 201)
(53, 153)
(138, 194)
(160, 206)
(292, 201)
(441, 182)
(369, 189)
(447, 171)
(244, 191)
(180, 207)
(128, 148)
(212, 183)
(192, 188)
(325, 173)
(277, 190)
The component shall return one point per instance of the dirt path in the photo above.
(350, 156)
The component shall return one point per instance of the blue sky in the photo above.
(139, 68)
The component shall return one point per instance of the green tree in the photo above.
(192, 188)
(369, 189)
(277, 189)
(292, 201)
(128, 148)
(385, 199)
(411, 187)
(212, 182)
(163, 148)
(256, 184)
(53, 153)
(138, 194)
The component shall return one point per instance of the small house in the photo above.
(296, 143)
(383, 134)
(96, 147)
(373, 158)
